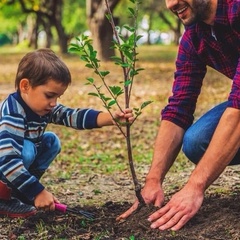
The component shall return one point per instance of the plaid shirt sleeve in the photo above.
(189, 75)
(234, 21)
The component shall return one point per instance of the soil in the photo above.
(217, 219)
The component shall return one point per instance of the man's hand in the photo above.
(178, 211)
(151, 193)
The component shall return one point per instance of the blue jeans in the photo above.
(198, 136)
(39, 158)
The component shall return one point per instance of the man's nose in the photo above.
(171, 3)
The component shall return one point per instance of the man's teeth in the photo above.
(181, 10)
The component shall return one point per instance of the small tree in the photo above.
(127, 61)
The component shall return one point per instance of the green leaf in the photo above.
(116, 90)
(88, 65)
(90, 80)
(138, 37)
(111, 103)
(140, 69)
(125, 65)
(108, 16)
(127, 83)
(93, 94)
(145, 104)
(116, 59)
(130, 29)
(107, 107)
(103, 97)
(84, 58)
(132, 11)
(104, 73)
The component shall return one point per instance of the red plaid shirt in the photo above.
(203, 45)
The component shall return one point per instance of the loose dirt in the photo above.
(218, 217)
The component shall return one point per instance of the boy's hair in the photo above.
(40, 66)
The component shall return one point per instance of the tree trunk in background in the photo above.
(49, 15)
(101, 30)
(176, 30)
(53, 11)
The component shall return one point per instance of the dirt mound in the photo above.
(217, 219)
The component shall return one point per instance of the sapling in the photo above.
(127, 59)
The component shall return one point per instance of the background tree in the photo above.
(48, 13)
(42, 15)
(161, 18)
(100, 27)
(24, 20)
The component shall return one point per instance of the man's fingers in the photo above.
(128, 212)
(181, 223)
(170, 218)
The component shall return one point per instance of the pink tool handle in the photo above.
(61, 207)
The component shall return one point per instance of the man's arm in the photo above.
(185, 203)
(167, 146)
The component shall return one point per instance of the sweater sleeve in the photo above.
(80, 118)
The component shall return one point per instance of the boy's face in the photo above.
(41, 99)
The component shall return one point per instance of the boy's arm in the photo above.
(105, 119)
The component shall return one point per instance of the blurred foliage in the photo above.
(74, 15)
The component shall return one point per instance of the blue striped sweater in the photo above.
(19, 122)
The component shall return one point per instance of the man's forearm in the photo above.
(167, 146)
(220, 152)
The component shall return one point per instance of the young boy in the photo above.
(26, 150)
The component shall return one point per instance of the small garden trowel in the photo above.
(64, 208)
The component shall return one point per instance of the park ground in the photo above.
(92, 172)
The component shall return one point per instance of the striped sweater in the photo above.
(19, 122)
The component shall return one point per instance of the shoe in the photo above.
(14, 208)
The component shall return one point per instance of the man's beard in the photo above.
(201, 9)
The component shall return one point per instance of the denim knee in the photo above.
(29, 153)
(52, 142)
(194, 145)
(47, 152)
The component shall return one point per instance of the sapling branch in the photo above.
(127, 61)
(128, 66)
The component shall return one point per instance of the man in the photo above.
(211, 38)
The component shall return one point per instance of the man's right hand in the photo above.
(151, 193)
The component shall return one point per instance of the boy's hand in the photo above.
(45, 201)
(123, 116)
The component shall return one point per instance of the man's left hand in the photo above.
(178, 211)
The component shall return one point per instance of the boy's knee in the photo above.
(52, 141)
(29, 152)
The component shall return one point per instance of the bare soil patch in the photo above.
(217, 219)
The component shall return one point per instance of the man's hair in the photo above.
(41, 66)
